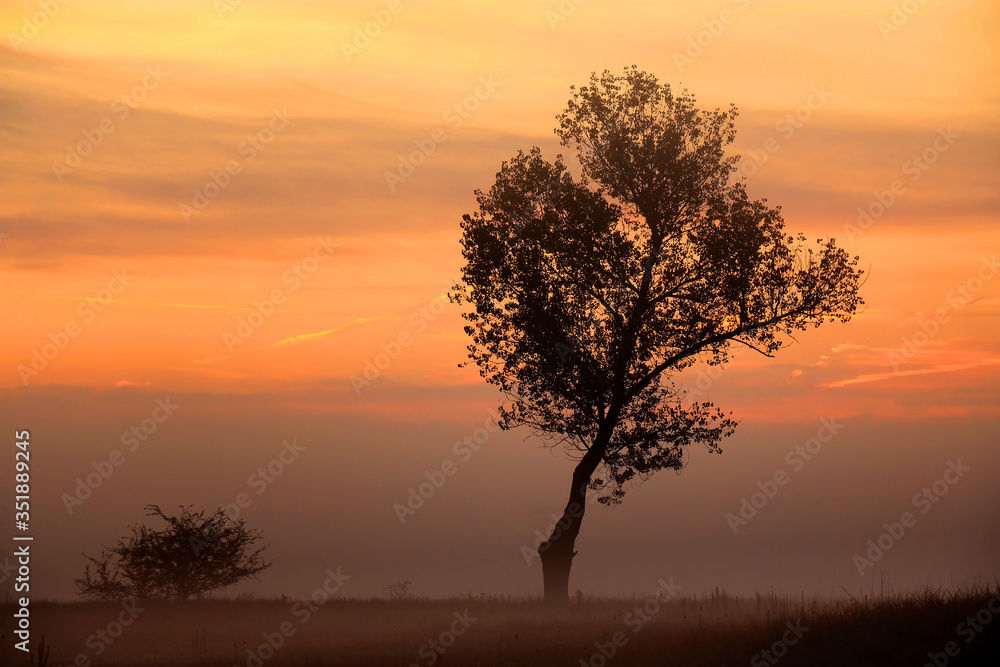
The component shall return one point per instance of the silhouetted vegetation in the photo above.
(192, 555)
(701, 631)
(588, 294)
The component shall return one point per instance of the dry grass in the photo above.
(713, 630)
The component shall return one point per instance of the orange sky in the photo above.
(309, 119)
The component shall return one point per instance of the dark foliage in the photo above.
(588, 294)
(192, 555)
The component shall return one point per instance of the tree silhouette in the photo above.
(192, 555)
(587, 295)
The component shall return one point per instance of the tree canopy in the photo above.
(192, 555)
(588, 294)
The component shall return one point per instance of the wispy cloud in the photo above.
(212, 360)
(943, 368)
(165, 305)
(130, 383)
(302, 338)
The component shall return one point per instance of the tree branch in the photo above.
(701, 345)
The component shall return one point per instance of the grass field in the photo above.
(714, 630)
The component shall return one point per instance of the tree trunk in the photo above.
(556, 553)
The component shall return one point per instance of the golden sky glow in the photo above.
(294, 125)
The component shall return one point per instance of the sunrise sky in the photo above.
(240, 205)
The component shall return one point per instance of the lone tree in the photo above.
(587, 295)
(192, 555)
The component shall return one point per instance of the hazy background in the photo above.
(352, 118)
